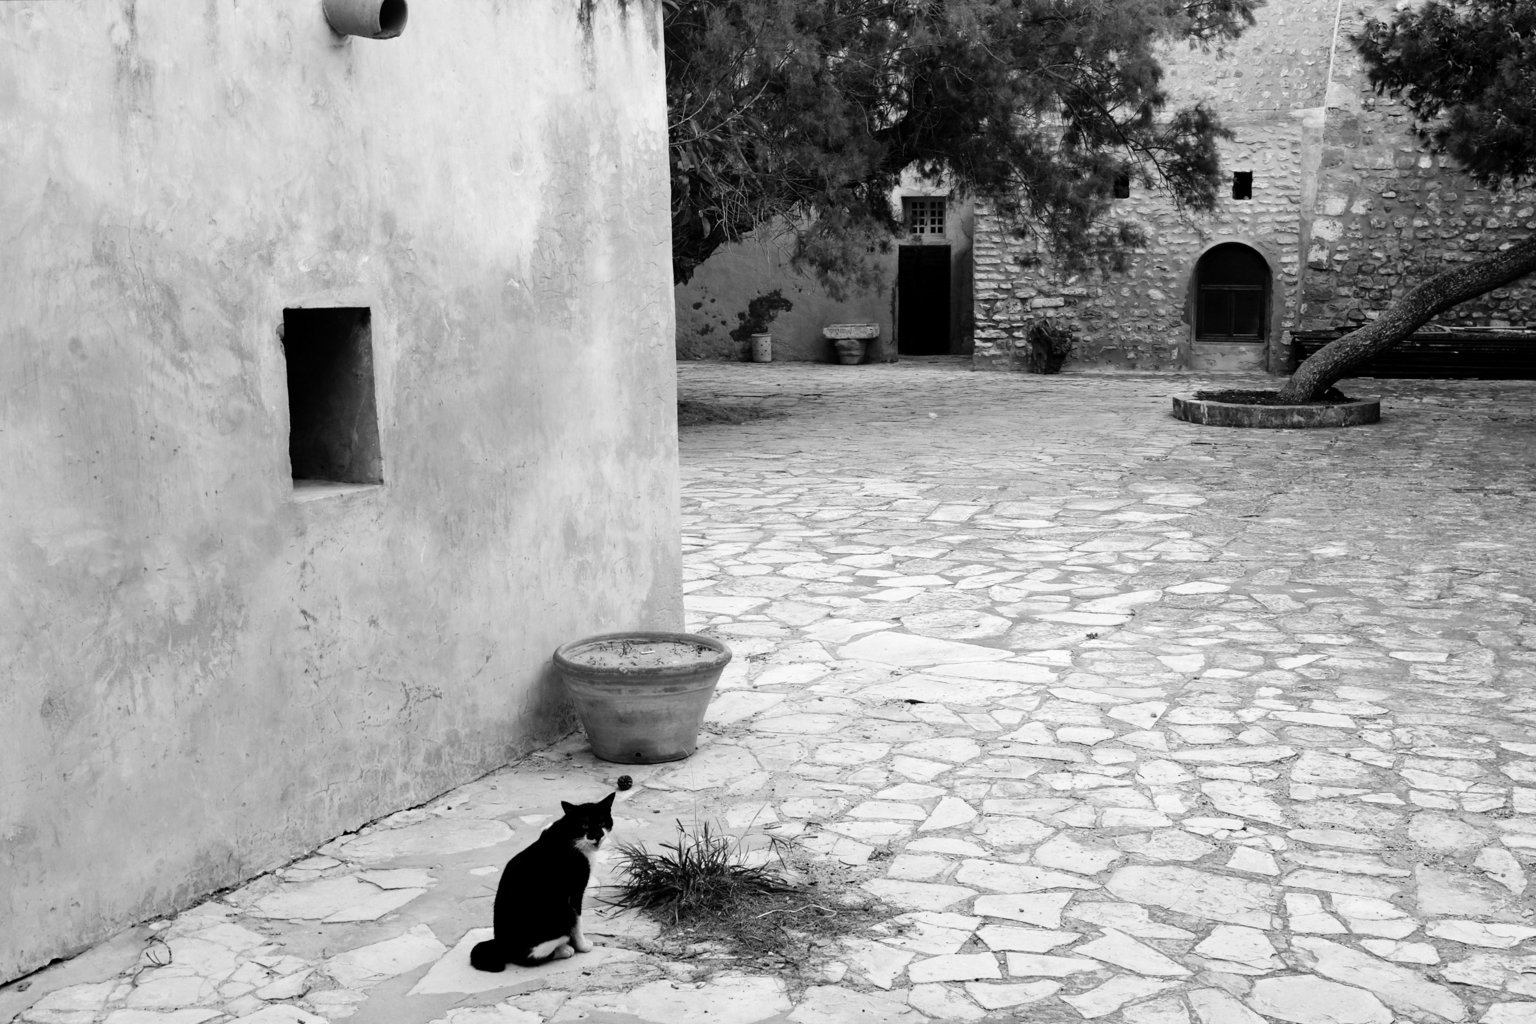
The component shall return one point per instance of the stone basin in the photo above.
(859, 332)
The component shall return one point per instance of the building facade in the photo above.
(339, 391)
(922, 302)
(1329, 210)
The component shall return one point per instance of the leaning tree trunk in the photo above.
(1421, 302)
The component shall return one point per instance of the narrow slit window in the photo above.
(333, 422)
(924, 215)
(1242, 185)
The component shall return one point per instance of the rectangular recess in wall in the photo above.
(333, 432)
(1242, 184)
(1122, 186)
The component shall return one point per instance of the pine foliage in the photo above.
(786, 111)
(1467, 72)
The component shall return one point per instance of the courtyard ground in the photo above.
(1121, 718)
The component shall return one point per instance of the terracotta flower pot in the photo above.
(641, 696)
(850, 351)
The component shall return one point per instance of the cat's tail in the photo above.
(488, 956)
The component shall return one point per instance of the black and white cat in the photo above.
(538, 903)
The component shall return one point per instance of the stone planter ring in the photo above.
(1278, 417)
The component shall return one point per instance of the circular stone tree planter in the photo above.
(1210, 409)
(641, 696)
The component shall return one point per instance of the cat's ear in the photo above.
(567, 808)
(606, 803)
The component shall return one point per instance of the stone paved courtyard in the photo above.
(1124, 719)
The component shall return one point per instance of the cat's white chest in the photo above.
(588, 850)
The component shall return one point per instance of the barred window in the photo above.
(925, 216)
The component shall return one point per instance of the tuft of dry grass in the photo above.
(700, 875)
(713, 904)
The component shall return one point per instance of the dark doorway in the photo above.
(922, 300)
(1232, 285)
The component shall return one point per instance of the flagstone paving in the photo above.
(1125, 719)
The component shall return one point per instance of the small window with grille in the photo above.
(925, 215)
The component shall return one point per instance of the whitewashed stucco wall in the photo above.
(205, 675)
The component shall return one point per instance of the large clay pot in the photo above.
(850, 351)
(641, 696)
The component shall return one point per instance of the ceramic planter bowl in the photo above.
(641, 696)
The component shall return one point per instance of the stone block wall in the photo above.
(1267, 87)
(1348, 211)
(1389, 215)
(1279, 64)
(1142, 318)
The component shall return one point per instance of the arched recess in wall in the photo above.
(1232, 290)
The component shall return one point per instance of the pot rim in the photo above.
(722, 655)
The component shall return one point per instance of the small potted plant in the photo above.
(754, 323)
(1049, 345)
(641, 696)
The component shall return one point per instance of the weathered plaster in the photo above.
(206, 671)
(707, 306)
(721, 287)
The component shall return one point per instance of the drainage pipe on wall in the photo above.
(371, 19)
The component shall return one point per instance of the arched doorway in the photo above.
(1231, 294)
